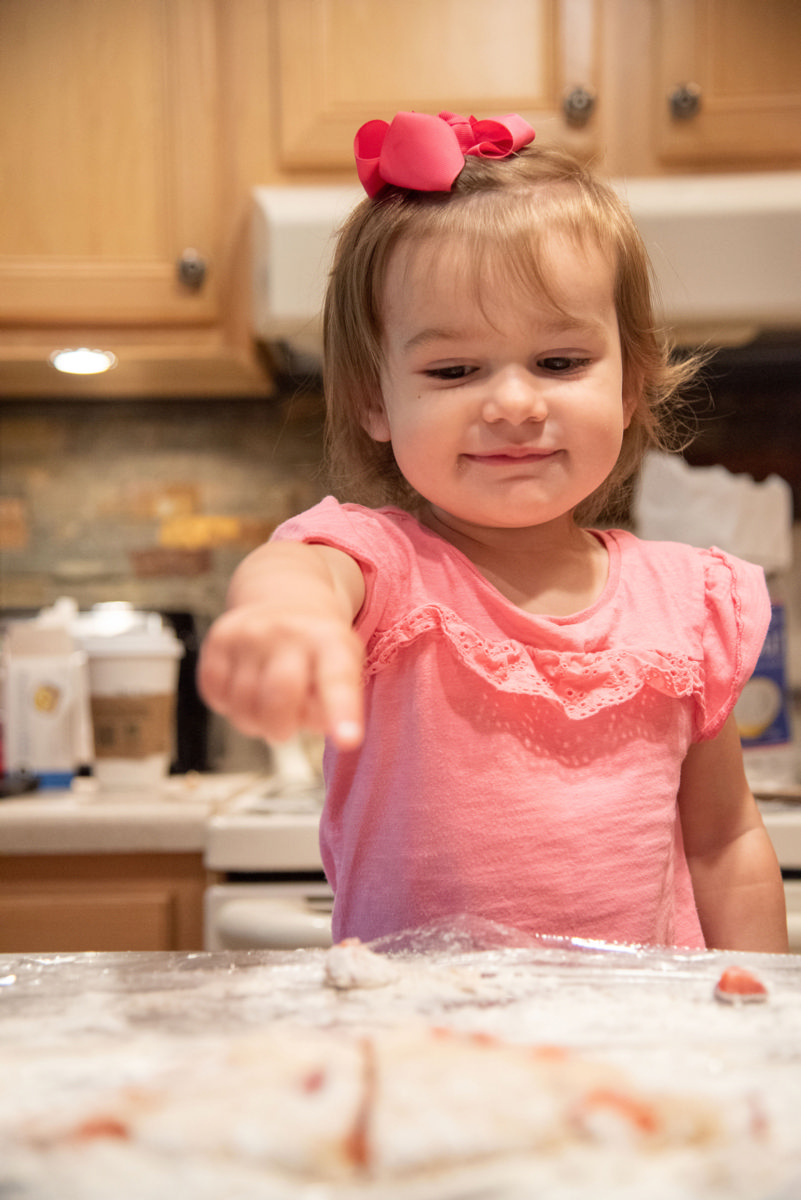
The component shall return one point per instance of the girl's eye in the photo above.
(558, 363)
(450, 374)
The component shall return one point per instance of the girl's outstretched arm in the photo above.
(735, 873)
(284, 657)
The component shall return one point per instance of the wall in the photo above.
(151, 502)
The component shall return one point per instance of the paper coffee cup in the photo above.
(133, 683)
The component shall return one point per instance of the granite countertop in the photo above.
(84, 819)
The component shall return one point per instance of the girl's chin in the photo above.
(504, 517)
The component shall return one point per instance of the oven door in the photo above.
(268, 916)
(792, 895)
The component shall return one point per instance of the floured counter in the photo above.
(456, 1061)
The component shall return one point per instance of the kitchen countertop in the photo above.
(77, 1027)
(84, 819)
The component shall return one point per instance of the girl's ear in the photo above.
(374, 422)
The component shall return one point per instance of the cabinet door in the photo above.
(343, 62)
(81, 902)
(739, 61)
(108, 129)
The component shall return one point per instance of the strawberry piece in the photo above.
(739, 986)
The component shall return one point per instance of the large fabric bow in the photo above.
(426, 153)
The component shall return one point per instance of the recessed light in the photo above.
(83, 361)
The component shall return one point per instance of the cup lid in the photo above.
(118, 628)
(153, 645)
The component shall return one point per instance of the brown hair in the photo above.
(505, 208)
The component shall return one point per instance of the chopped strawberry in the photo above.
(640, 1113)
(101, 1127)
(737, 985)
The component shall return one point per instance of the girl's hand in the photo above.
(284, 656)
(273, 675)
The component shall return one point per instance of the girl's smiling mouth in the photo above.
(511, 455)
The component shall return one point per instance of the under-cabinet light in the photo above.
(83, 361)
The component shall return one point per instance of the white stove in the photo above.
(263, 845)
(273, 825)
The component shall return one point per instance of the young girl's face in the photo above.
(502, 411)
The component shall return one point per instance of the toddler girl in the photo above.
(529, 714)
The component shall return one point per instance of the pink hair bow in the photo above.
(426, 153)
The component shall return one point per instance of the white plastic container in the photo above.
(46, 705)
(133, 678)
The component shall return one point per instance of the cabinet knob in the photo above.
(578, 105)
(191, 269)
(685, 101)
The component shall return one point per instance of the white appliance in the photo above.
(781, 812)
(726, 252)
(263, 848)
(293, 235)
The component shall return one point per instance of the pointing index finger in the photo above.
(339, 687)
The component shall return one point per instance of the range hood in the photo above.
(293, 237)
(726, 252)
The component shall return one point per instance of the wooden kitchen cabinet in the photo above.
(732, 67)
(117, 201)
(109, 124)
(83, 902)
(342, 62)
(133, 131)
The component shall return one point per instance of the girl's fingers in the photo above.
(339, 690)
(276, 682)
(285, 684)
(214, 675)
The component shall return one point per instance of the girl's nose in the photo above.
(515, 395)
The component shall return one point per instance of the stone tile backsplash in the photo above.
(151, 502)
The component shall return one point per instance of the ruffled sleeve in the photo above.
(736, 620)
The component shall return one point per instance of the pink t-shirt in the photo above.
(520, 768)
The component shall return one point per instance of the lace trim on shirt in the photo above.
(580, 683)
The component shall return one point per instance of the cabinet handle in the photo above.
(191, 269)
(579, 105)
(685, 101)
